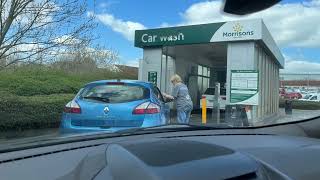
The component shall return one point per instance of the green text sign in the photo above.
(176, 35)
(152, 77)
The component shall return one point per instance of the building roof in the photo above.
(243, 30)
(306, 83)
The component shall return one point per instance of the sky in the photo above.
(294, 24)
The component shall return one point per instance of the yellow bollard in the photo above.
(204, 110)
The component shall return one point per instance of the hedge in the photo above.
(304, 105)
(20, 113)
(46, 81)
(34, 96)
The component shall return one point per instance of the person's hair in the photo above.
(176, 78)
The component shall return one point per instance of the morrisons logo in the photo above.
(237, 32)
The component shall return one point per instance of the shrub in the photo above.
(19, 113)
(304, 105)
(34, 96)
(46, 81)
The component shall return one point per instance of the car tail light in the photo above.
(72, 107)
(147, 108)
(203, 97)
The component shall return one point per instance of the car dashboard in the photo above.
(221, 154)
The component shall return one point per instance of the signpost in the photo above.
(152, 77)
(216, 105)
(244, 87)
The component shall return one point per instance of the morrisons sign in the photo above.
(238, 32)
(197, 34)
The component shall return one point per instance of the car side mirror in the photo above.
(243, 7)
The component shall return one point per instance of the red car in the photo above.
(293, 95)
(282, 92)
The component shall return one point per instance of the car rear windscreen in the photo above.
(116, 93)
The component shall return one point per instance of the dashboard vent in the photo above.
(249, 176)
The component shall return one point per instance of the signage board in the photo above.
(176, 35)
(244, 87)
(244, 30)
(202, 33)
(152, 77)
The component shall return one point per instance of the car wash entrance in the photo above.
(240, 57)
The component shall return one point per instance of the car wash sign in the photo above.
(244, 87)
(196, 34)
(176, 35)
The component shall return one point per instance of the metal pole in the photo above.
(161, 70)
(308, 81)
(216, 105)
(165, 84)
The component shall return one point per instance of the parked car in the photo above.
(304, 94)
(306, 97)
(282, 92)
(209, 95)
(293, 95)
(115, 105)
(312, 97)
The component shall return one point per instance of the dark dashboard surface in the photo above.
(220, 154)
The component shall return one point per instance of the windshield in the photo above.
(81, 67)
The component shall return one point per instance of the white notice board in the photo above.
(244, 87)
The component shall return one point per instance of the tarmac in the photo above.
(281, 117)
(195, 119)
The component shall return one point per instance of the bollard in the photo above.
(204, 110)
(243, 115)
(230, 115)
(249, 114)
(236, 115)
(288, 107)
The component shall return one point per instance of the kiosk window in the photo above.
(203, 78)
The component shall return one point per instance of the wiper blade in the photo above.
(190, 126)
(103, 99)
(172, 127)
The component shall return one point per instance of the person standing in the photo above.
(180, 94)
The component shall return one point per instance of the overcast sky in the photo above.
(293, 24)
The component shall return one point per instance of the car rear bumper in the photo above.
(69, 125)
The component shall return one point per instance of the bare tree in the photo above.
(32, 27)
(104, 57)
(85, 59)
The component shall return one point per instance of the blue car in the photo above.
(112, 105)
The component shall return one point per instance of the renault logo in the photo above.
(106, 109)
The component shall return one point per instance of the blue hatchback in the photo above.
(112, 105)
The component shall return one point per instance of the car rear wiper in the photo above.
(103, 99)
